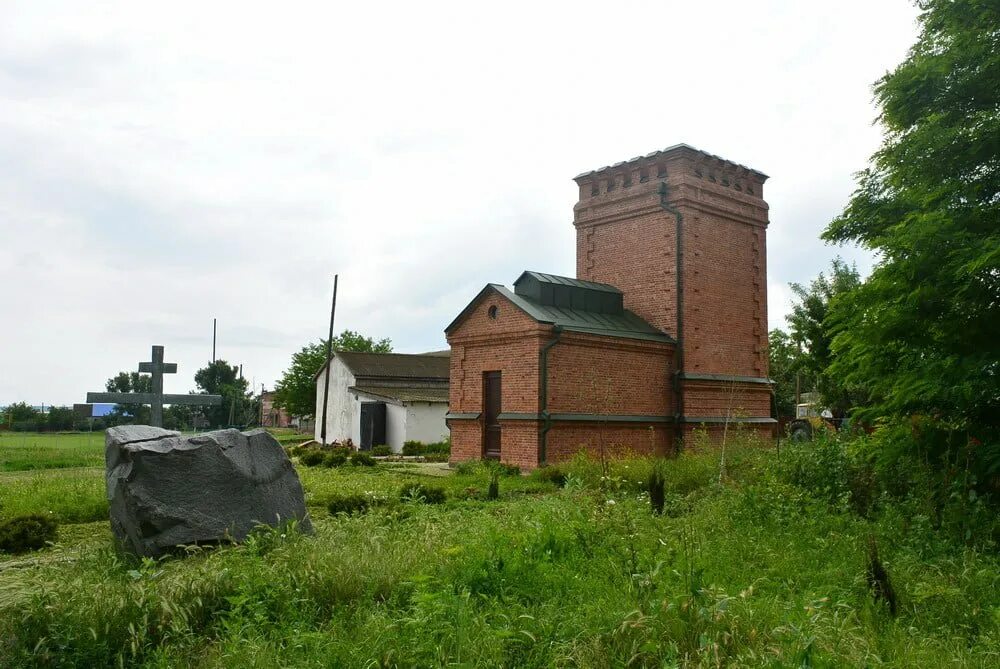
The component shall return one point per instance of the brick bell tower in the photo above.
(682, 233)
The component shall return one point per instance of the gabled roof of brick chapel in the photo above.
(570, 304)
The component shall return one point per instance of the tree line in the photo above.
(916, 344)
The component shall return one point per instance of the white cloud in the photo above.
(161, 166)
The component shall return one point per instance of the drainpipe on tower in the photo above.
(543, 393)
(679, 336)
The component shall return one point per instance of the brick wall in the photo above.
(607, 252)
(587, 374)
(725, 288)
(565, 440)
(605, 375)
(509, 344)
(708, 398)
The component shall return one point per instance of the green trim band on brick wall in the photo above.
(519, 416)
(722, 419)
(605, 418)
(587, 418)
(726, 377)
(461, 416)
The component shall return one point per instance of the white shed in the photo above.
(384, 398)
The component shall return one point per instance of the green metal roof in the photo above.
(567, 281)
(601, 320)
(560, 291)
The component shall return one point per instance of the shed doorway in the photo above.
(372, 425)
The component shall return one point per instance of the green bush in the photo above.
(348, 505)
(27, 533)
(360, 459)
(381, 450)
(414, 448)
(466, 467)
(551, 474)
(829, 470)
(439, 447)
(505, 469)
(420, 448)
(334, 460)
(428, 494)
(312, 457)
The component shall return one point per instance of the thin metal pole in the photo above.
(213, 340)
(329, 355)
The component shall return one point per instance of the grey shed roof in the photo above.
(598, 321)
(406, 394)
(394, 365)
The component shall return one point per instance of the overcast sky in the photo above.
(162, 164)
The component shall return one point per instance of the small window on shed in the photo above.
(492, 312)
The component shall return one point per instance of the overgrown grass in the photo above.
(289, 436)
(22, 451)
(25, 451)
(67, 495)
(753, 567)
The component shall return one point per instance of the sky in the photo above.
(164, 164)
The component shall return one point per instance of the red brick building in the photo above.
(270, 415)
(664, 330)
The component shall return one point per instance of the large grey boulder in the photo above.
(167, 490)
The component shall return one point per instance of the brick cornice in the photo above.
(687, 192)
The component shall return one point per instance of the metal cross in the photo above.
(155, 399)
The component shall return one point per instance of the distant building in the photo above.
(270, 415)
(384, 398)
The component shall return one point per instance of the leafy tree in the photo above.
(179, 416)
(922, 333)
(784, 361)
(221, 378)
(296, 391)
(811, 334)
(22, 417)
(129, 382)
(60, 418)
(349, 340)
(21, 411)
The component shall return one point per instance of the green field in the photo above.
(753, 570)
(21, 451)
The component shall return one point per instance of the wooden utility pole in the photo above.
(329, 355)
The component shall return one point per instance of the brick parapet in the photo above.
(632, 188)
